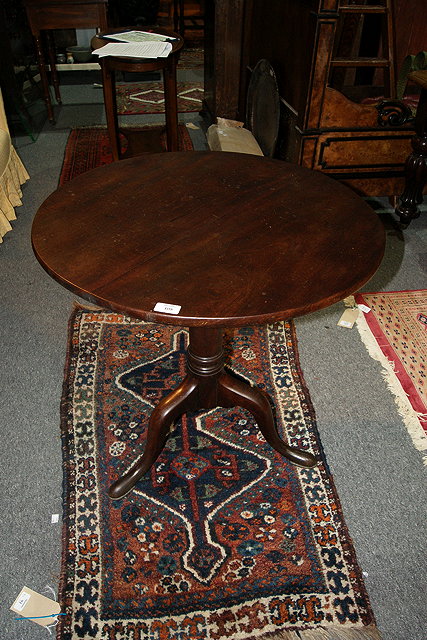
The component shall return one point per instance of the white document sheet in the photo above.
(135, 49)
(138, 36)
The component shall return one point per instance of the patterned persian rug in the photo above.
(223, 539)
(89, 147)
(191, 58)
(148, 97)
(395, 333)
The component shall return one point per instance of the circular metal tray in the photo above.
(263, 107)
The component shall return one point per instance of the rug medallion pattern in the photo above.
(148, 97)
(223, 538)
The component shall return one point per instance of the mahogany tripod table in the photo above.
(229, 239)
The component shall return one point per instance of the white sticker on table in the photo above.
(162, 307)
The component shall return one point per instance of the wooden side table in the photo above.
(207, 240)
(111, 64)
(45, 15)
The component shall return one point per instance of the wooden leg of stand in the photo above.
(43, 77)
(109, 88)
(168, 409)
(415, 167)
(171, 104)
(206, 386)
(52, 63)
(233, 392)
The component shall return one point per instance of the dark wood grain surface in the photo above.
(233, 239)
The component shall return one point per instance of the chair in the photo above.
(416, 163)
(12, 175)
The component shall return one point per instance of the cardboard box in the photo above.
(230, 135)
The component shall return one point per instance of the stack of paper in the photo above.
(137, 36)
(135, 49)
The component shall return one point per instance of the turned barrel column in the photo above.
(416, 163)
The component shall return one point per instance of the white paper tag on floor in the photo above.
(364, 308)
(348, 318)
(38, 608)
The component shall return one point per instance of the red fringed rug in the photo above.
(89, 147)
(224, 539)
(395, 333)
(148, 97)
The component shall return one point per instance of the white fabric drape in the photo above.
(12, 175)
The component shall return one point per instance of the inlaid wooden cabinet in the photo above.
(360, 142)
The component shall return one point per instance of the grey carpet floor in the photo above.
(378, 472)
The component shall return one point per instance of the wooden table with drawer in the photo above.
(47, 15)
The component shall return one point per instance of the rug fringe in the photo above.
(332, 633)
(338, 633)
(150, 125)
(407, 412)
(87, 306)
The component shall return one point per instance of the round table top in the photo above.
(232, 239)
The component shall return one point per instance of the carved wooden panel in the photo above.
(410, 28)
(223, 41)
(60, 14)
(370, 185)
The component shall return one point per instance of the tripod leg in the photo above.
(173, 405)
(234, 392)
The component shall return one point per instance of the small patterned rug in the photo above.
(191, 58)
(395, 333)
(148, 97)
(89, 147)
(224, 539)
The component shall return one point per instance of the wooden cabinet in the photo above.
(224, 32)
(324, 128)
